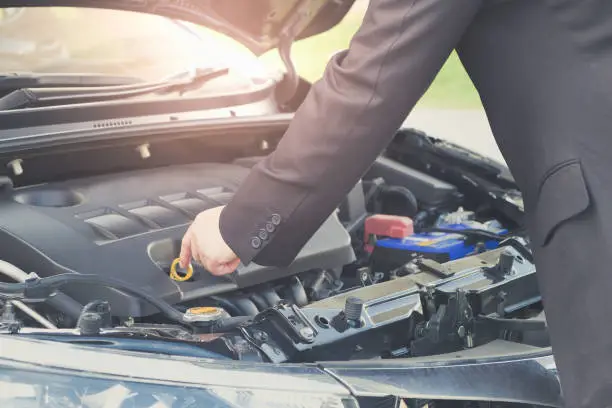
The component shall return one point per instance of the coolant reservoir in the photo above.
(205, 314)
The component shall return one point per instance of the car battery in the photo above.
(392, 253)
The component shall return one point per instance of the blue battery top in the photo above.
(453, 245)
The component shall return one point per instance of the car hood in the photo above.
(260, 25)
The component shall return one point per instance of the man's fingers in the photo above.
(185, 256)
(201, 244)
(232, 266)
(196, 255)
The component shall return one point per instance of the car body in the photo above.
(106, 165)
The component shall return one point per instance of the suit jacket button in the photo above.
(270, 227)
(276, 219)
(263, 234)
(255, 242)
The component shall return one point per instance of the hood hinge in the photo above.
(287, 88)
(289, 85)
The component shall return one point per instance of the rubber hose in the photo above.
(60, 301)
(51, 285)
(230, 323)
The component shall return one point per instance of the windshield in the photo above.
(87, 40)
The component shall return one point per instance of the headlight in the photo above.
(32, 389)
(44, 374)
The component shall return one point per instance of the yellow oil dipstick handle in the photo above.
(183, 276)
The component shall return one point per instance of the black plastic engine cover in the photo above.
(431, 191)
(129, 226)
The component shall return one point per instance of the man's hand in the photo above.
(204, 244)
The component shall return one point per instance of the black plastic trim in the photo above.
(151, 132)
(99, 111)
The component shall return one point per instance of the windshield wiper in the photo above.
(49, 96)
(14, 81)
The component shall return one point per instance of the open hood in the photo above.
(258, 24)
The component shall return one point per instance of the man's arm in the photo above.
(346, 120)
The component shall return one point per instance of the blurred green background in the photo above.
(452, 88)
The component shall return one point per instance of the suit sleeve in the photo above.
(347, 119)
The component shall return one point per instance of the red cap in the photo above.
(391, 226)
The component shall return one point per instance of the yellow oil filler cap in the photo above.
(183, 275)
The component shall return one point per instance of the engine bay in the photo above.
(139, 218)
(426, 255)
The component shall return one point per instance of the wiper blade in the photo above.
(40, 97)
(14, 81)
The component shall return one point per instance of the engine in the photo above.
(409, 265)
(129, 226)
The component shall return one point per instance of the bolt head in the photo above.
(307, 332)
(260, 336)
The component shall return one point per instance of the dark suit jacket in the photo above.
(543, 69)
